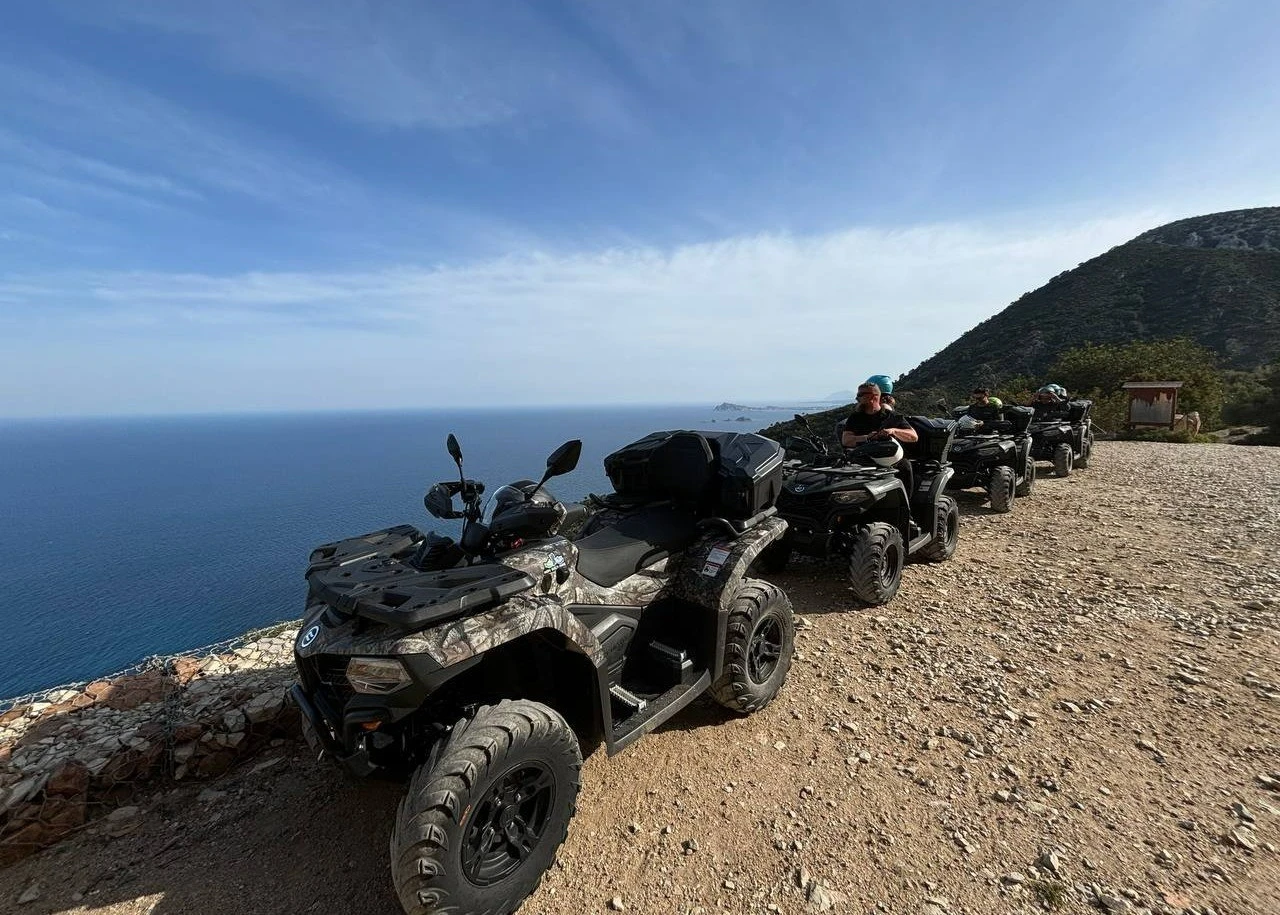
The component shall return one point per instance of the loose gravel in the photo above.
(1080, 712)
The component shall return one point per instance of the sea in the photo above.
(130, 537)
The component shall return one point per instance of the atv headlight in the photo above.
(376, 675)
(852, 497)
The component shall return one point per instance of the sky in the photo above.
(335, 204)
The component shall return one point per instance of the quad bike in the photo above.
(994, 454)
(840, 502)
(482, 668)
(1063, 434)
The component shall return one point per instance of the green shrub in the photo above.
(1052, 894)
(1253, 398)
(1099, 373)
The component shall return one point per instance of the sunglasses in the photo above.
(863, 395)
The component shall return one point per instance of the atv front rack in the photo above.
(368, 576)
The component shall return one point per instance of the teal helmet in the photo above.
(883, 382)
(1056, 389)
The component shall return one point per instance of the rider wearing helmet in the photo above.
(985, 408)
(1050, 402)
(885, 384)
(873, 421)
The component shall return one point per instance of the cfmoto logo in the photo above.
(309, 636)
(800, 488)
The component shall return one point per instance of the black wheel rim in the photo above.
(765, 650)
(889, 565)
(508, 824)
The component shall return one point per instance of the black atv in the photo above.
(994, 453)
(1063, 435)
(484, 667)
(838, 502)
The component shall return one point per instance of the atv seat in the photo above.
(637, 541)
(678, 481)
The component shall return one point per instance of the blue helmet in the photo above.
(883, 382)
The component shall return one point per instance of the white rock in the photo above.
(122, 821)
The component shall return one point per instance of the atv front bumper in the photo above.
(347, 748)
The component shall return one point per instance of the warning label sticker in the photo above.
(716, 559)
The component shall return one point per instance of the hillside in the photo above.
(1214, 279)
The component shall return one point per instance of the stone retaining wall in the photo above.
(73, 754)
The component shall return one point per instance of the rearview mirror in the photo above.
(455, 450)
(564, 459)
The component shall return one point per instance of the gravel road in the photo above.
(1080, 712)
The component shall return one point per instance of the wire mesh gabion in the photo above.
(73, 754)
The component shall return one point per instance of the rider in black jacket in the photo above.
(873, 421)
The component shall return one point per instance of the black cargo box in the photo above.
(628, 469)
(744, 478)
(750, 470)
(1078, 410)
(935, 438)
(1019, 417)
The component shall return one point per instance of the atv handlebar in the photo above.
(439, 498)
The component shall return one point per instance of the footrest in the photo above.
(674, 662)
(624, 733)
(628, 698)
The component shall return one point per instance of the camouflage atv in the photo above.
(838, 503)
(483, 668)
(994, 454)
(1063, 434)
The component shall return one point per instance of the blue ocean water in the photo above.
(123, 538)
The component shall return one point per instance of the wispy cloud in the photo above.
(72, 105)
(754, 315)
(120, 167)
(398, 64)
(87, 173)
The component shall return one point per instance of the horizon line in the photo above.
(347, 411)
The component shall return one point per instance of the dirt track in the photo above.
(1063, 716)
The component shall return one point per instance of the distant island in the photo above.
(727, 407)
(840, 397)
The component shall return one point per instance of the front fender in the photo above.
(457, 640)
(885, 488)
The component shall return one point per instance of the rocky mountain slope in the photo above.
(1079, 713)
(1214, 279)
